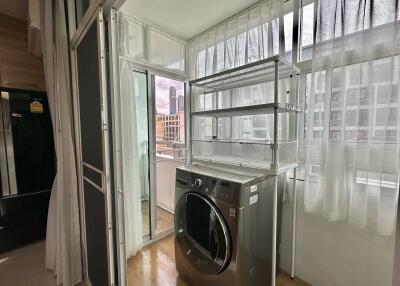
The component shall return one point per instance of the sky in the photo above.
(162, 92)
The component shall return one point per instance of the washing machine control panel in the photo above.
(218, 189)
(198, 183)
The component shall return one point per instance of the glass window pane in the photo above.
(132, 40)
(288, 30)
(170, 146)
(166, 51)
(81, 7)
(307, 32)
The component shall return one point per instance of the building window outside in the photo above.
(363, 106)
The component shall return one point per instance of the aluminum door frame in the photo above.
(9, 144)
(151, 103)
(96, 17)
(117, 146)
(5, 187)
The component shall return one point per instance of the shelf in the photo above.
(244, 141)
(248, 110)
(252, 73)
(233, 161)
(255, 154)
(280, 79)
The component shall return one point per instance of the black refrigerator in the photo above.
(27, 167)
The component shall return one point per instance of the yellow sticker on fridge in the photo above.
(36, 107)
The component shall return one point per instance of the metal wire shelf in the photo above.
(263, 70)
(248, 110)
(275, 155)
(244, 141)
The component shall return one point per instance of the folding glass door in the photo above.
(142, 146)
(92, 140)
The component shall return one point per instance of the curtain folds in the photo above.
(134, 142)
(63, 240)
(353, 124)
(352, 133)
(148, 45)
(251, 36)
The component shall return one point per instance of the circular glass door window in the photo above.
(202, 234)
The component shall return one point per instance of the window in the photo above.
(165, 51)
(170, 118)
(81, 6)
(307, 32)
(147, 45)
(364, 103)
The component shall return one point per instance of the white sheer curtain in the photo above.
(63, 241)
(134, 141)
(251, 36)
(147, 45)
(353, 122)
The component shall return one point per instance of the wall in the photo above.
(17, 9)
(18, 68)
(165, 182)
(335, 253)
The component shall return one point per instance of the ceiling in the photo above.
(185, 18)
(15, 8)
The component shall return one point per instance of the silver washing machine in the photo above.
(223, 226)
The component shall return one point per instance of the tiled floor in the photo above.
(25, 267)
(155, 266)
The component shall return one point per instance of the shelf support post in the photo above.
(294, 198)
(274, 164)
(274, 230)
(188, 122)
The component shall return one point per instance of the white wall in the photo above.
(336, 253)
(165, 183)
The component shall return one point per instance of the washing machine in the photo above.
(223, 226)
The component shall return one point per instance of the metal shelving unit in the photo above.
(274, 155)
(273, 70)
(266, 108)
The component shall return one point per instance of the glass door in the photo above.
(168, 148)
(92, 129)
(142, 138)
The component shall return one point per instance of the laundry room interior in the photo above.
(192, 143)
(333, 222)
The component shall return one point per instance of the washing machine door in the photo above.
(202, 234)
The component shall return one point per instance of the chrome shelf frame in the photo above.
(260, 71)
(266, 108)
(267, 70)
(245, 141)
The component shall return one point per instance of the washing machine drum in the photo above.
(202, 234)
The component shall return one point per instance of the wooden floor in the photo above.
(25, 266)
(155, 266)
(164, 219)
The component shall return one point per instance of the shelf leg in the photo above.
(274, 230)
(294, 218)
